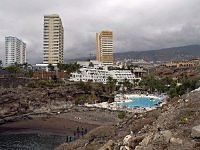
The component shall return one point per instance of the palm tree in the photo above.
(61, 66)
(111, 85)
(126, 84)
(1, 63)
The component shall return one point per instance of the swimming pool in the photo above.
(139, 101)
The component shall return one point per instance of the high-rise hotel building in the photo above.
(104, 47)
(53, 43)
(15, 50)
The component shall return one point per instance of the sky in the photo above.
(137, 25)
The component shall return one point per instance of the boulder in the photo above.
(143, 148)
(176, 141)
(131, 142)
(146, 140)
(108, 146)
(123, 148)
(162, 137)
(134, 141)
(195, 132)
(126, 139)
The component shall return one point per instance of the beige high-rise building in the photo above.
(53, 42)
(104, 47)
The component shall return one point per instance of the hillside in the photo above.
(175, 126)
(184, 52)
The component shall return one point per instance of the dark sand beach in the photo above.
(65, 122)
(43, 124)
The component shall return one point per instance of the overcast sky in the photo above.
(136, 24)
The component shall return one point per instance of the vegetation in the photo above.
(126, 85)
(43, 82)
(82, 99)
(168, 85)
(187, 85)
(84, 86)
(1, 63)
(13, 69)
(121, 115)
(91, 64)
(68, 68)
(18, 69)
(51, 67)
(29, 73)
(111, 85)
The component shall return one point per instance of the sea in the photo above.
(32, 141)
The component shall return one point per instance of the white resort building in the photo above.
(100, 73)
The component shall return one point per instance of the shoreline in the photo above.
(45, 125)
(62, 123)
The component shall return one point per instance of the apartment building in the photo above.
(53, 42)
(104, 47)
(15, 51)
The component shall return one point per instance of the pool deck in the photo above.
(125, 98)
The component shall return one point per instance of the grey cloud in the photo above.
(136, 25)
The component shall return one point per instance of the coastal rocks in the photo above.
(162, 137)
(131, 142)
(146, 140)
(145, 143)
(143, 148)
(159, 140)
(176, 141)
(195, 132)
(108, 146)
(127, 139)
(124, 148)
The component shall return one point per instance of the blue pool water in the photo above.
(142, 101)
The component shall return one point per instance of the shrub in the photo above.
(121, 115)
(43, 82)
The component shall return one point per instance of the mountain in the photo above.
(184, 52)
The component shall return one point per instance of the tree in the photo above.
(51, 67)
(30, 74)
(61, 66)
(69, 68)
(1, 63)
(91, 64)
(189, 84)
(25, 66)
(13, 69)
(17, 65)
(111, 85)
(126, 84)
(149, 82)
(172, 92)
(99, 87)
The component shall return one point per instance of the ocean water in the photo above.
(30, 141)
(142, 101)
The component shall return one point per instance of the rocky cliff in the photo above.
(175, 126)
